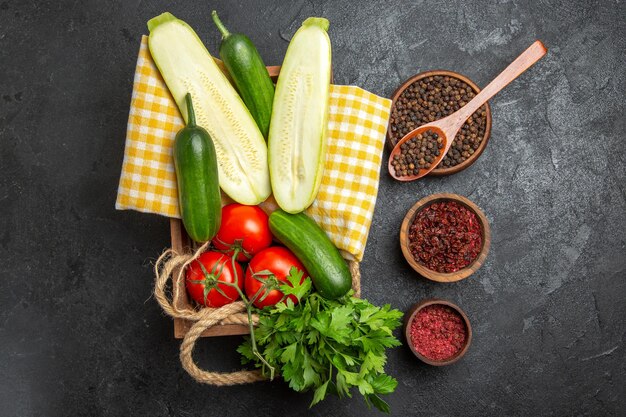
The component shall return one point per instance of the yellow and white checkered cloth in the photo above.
(344, 206)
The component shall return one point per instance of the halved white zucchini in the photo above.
(187, 66)
(297, 135)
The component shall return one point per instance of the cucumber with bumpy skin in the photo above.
(199, 196)
(249, 73)
(297, 137)
(326, 267)
(186, 66)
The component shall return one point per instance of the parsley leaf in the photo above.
(384, 384)
(378, 403)
(319, 394)
(294, 287)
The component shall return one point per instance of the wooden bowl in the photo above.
(408, 319)
(444, 276)
(469, 161)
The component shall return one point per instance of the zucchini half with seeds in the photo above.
(297, 137)
(187, 66)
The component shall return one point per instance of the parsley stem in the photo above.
(248, 304)
(253, 341)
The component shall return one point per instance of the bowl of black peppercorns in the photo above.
(431, 96)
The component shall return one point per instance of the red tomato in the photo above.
(246, 225)
(202, 285)
(278, 261)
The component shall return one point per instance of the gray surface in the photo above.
(79, 334)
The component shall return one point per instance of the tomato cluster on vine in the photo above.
(244, 241)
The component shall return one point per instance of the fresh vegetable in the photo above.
(328, 270)
(207, 279)
(187, 67)
(245, 66)
(328, 346)
(297, 137)
(271, 264)
(244, 229)
(199, 196)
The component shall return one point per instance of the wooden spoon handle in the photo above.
(531, 55)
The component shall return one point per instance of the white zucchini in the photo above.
(187, 66)
(297, 135)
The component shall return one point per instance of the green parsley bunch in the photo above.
(328, 346)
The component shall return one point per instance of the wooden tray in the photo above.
(181, 243)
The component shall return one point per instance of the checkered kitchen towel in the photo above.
(345, 203)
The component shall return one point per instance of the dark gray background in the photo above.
(79, 333)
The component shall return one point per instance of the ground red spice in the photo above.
(445, 236)
(438, 332)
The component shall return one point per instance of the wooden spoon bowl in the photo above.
(444, 276)
(407, 138)
(408, 319)
(441, 171)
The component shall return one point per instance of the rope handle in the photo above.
(205, 318)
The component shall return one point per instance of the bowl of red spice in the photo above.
(437, 331)
(433, 95)
(445, 237)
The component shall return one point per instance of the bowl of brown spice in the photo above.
(431, 96)
(445, 237)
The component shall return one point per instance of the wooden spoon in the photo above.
(448, 127)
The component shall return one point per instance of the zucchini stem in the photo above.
(220, 26)
(191, 115)
(320, 22)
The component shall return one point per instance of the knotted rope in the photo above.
(171, 266)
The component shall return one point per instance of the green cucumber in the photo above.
(187, 67)
(245, 66)
(199, 196)
(326, 267)
(297, 138)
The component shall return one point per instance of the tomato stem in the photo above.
(232, 262)
(236, 245)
